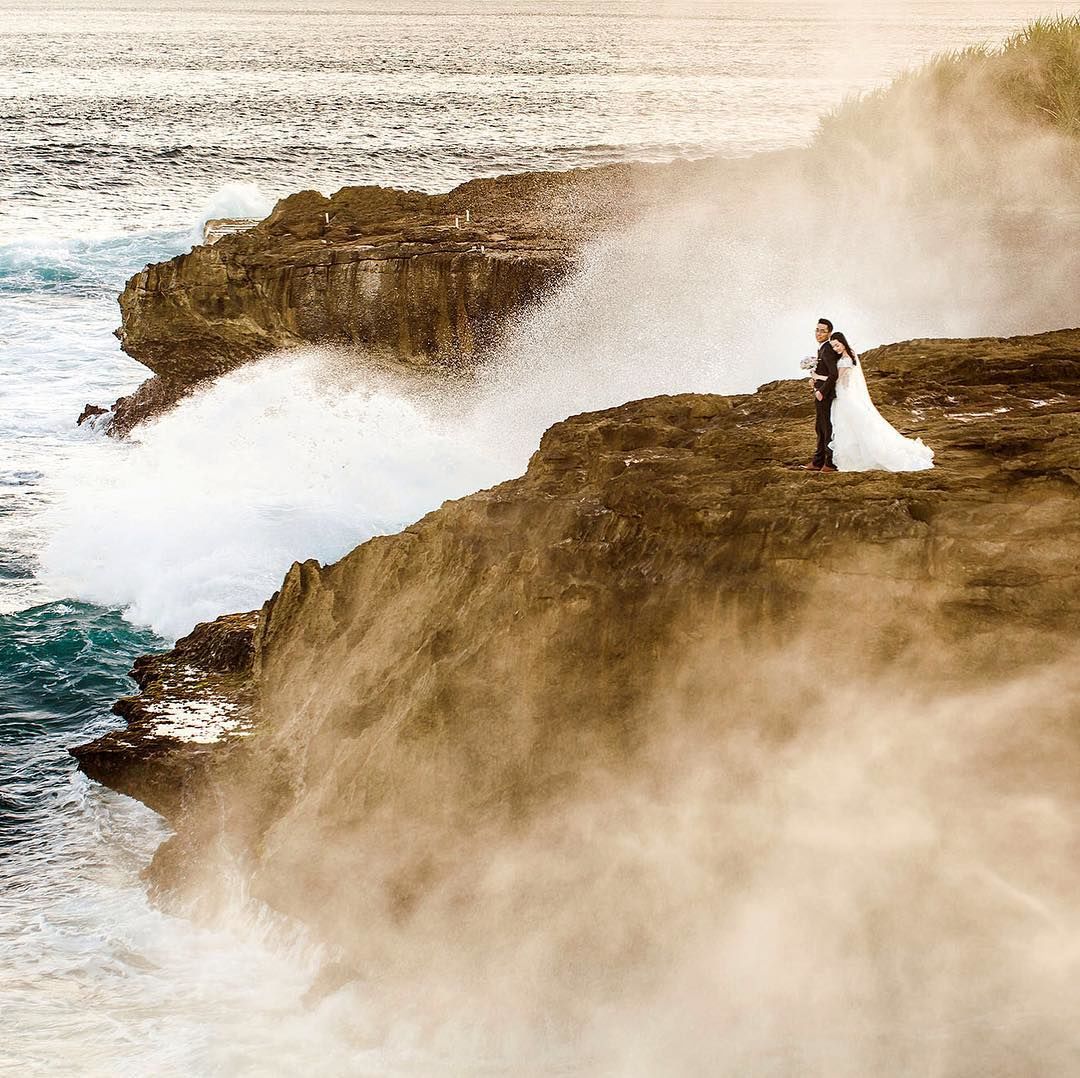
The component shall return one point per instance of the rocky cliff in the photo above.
(483, 644)
(661, 697)
(426, 281)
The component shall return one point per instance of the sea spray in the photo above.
(207, 507)
(243, 200)
(309, 453)
(58, 288)
(57, 351)
(99, 982)
(81, 946)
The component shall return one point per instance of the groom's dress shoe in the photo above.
(828, 468)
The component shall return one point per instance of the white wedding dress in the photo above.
(863, 439)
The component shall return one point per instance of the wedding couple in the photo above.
(852, 435)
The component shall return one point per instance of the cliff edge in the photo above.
(426, 281)
(489, 649)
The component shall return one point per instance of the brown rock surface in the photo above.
(194, 703)
(426, 281)
(458, 676)
(89, 413)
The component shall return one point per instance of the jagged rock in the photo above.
(389, 272)
(90, 413)
(195, 701)
(426, 281)
(399, 278)
(453, 679)
(154, 396)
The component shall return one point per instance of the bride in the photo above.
(863, 439)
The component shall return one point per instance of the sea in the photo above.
(124, 126)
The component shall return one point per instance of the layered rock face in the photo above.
(490, 648)
(425, 281)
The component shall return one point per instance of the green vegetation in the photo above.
(1032, 79)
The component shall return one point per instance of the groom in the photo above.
(824, 391)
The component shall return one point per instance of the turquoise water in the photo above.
(124, 127)
(61, 665)
(95, 980)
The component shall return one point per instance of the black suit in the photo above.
(827, 365)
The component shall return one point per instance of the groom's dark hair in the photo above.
(825, 322)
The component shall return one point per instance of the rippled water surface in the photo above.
(124, 125)
(129, 113)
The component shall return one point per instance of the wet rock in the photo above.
(195, 702)
(427, 283)
(90, 413)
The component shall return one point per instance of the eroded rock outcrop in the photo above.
(425, 281)
(568, 745)
(195, 702)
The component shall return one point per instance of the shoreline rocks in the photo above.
(194, 703)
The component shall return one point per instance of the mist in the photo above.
(849, 864)
(775, 861)
(579, 777)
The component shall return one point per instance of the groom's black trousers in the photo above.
(823, 454)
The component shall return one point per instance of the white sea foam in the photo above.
(228, 490)
(307, 454)
(285, 459)
(98, 982)
(232, 200)
(92, 262)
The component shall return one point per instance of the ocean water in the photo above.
(122, 128)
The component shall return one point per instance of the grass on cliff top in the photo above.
(1033, 78)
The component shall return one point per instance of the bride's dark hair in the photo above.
(838, 336)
